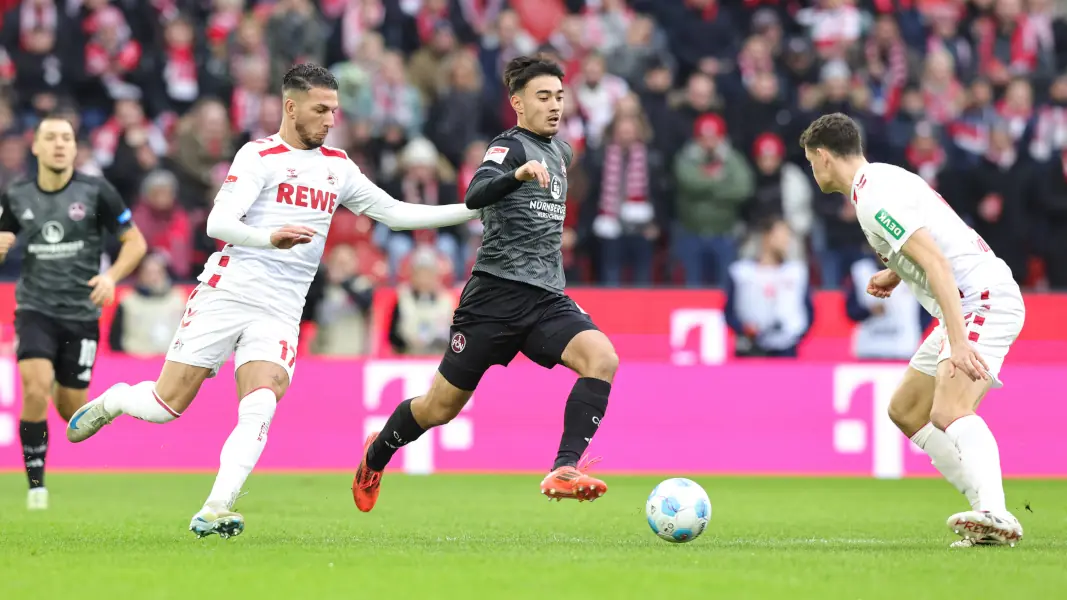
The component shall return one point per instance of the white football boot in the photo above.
(983, 528)
(211, 520)
(89, 419)
(37, 499)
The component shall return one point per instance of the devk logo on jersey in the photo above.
(889, 224)
(307, 197)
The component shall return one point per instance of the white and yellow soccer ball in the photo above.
(678, 510)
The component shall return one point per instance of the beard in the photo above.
(306, 137)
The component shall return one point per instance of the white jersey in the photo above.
(892, 204)
(275, 184)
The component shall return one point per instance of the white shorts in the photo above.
(993, 322)
(216, 325)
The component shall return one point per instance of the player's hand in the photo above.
(965, 359)
(883, 283)
(291, 235)
(531, 171)
(103, 289)
(7, 241)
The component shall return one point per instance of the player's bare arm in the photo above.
(883, 283)
(130, 254)
(923, 250)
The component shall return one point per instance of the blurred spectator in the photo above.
(888, 329)
(164, 223)
(425, 178)
(13, 154)
(943, 94)
(180, 83)
(459, 115)
(127, 147)
(112, 58)
(834, 26)
(597, 93)
(143, 323)
(426, 65)
(624, 207)
(1017, 109)
(764, 110)
(642, 48)
(781, 189)
(1008, 46)
(925, 156)
(423, 313)
(997, 199)
(714, 180)
(294, 34)
(343, 311)
(251, 90)
(1052, 214)
(768, 300)
(392, 99)
(203, 141)
(40, 68)
(1050, 128)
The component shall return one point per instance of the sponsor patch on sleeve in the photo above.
(495, 154)
(228, 183)
(125, 217)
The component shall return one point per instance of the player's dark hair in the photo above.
(836, 133)
(520, 71)
(306, 76)
(55, 116)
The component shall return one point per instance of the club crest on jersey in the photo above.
(76, 212)
(291, 173)
(459, 342)
(330, 177)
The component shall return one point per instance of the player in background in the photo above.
(962, 283)
(65, 218)
(273, 212)
(514, 301)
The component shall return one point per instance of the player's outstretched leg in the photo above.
(36, 376)
(262, 384)
(953, 412)
(591, 355)
(910, 410)
(159, 401)
(407, 423)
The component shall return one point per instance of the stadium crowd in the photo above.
(684, 115)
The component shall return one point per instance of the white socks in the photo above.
(242, 449)
(139, 401)
(980, 457)
(946, 458)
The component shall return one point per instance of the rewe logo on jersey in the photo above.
(307, 197)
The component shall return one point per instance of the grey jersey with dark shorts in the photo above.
(523, 236)
(64, 233)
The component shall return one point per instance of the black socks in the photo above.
(400, 430)
(34, 438)
(581, 418)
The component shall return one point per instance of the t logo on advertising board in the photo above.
(414, 378)
(711, 342)
(8, 421)
(851, 434)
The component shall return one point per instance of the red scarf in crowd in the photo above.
(627, 166)
(180, 73)
(1023, 45)
(926, 162)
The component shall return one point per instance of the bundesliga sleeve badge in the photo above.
(495, 154)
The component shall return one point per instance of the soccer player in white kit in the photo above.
(273, 212)
(961, 282)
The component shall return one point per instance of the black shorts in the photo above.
(69, 345)
(496, 319)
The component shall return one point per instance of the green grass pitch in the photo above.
(449, 536)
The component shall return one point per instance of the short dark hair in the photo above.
(55, 116)
(523, 69)
(836, 132)
(305, 76)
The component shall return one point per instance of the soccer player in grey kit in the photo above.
(514, 301)
(64, 217)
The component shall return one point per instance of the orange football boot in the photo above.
(367, 482)
(574, 482)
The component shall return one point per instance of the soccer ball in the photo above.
(678, 510)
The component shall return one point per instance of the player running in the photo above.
(958, 279)
(514, 301)
(65, 217)
(273, 212)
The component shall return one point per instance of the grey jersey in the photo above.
(524, 231)
(63, 232)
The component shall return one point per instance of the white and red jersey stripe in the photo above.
(275, 184)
